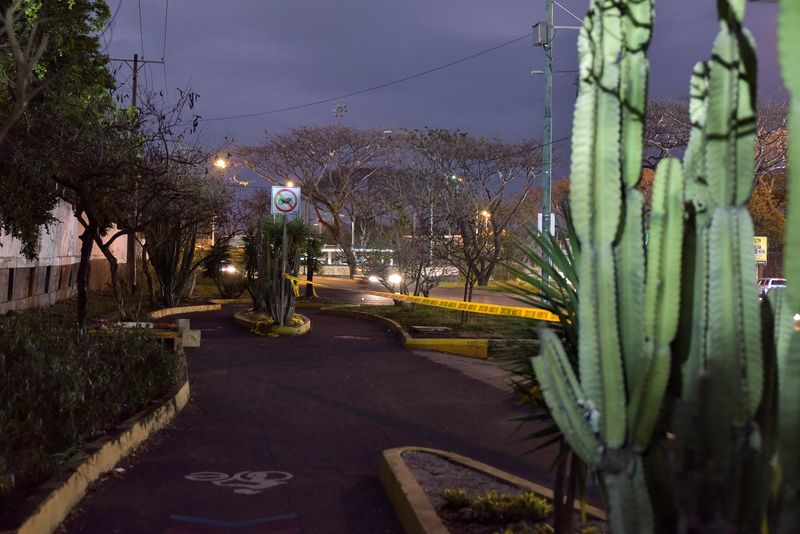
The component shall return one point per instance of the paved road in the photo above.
(320, 407)
(354, 291)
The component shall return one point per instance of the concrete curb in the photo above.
(241, 320)
(482, 349)
(412, 506)
(54, 500)
(248, 300)
(158, 314)
(241, 300)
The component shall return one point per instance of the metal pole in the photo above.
(284, 253)
(131, 249)
(547, 133)
(430, 242)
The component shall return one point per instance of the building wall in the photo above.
(52, 275)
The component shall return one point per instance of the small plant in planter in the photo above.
(522, 510)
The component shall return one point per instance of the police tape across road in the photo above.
(457, 305)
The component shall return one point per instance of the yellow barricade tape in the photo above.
(457, 305)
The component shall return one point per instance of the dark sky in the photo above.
(247, 56)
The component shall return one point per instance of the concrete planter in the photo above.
(242, 319)
(414, 508)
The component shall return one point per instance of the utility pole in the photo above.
(547, 130)
(131, 248)
(131, 252)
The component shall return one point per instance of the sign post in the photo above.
(285, 201)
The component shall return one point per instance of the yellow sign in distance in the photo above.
(457, 305)
(760, 246)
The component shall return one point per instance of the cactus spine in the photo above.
(733, 387)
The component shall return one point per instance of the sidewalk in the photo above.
(284, 435)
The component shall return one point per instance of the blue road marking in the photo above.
(232, 524)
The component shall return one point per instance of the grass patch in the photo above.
(60, 390)
(496, 286)
(476, 326)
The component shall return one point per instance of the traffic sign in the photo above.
(285, 200)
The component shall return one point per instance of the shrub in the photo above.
(525, 506)
(59, 389)
(456, 498)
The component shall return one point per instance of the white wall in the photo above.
(51, 276)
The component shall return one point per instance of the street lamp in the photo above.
(220, 163)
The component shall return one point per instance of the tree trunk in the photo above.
(310, 277)
(87, 242)
(151, 288)
(116, 285)
(350, 257)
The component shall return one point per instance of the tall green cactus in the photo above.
(640, 330)
(788, 341)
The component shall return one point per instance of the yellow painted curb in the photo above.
(158, 314)
(410, 503)
(63, 492)
(412, 506)
(473, 348)
(241, 320)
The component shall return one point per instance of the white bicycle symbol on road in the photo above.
(244, 482)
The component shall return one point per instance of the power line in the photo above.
(510, 111)
(373, 88)
(576, 17)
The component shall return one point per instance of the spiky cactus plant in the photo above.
(640, 330)
(788, 338)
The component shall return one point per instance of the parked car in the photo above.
(765, 285)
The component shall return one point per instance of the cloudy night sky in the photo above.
(250, 56)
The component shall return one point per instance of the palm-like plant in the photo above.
(271, 292)
(550, 282)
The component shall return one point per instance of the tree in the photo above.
(402, 238)
(23, 41)
(477, 186)
(197, 199)
(667, 129)
(334, 165)
(40, 43)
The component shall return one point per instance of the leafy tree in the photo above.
(42, 43)
(197, 201)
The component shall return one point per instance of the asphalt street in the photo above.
(284, 435)
(356, 291)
